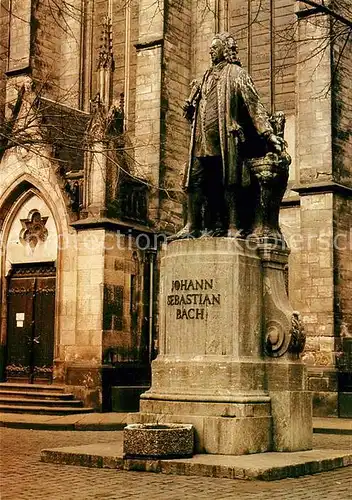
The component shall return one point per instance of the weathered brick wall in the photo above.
(342, 169)
(175, 89)
(314, 144)
(267, 48)
(87, 343)
(316, 284)
(322, 149)
(119, 49)
(285, 24)
(316, 273)
(45, 47)
(341, 101)
(20, 35)
(4, 37)
(290, 223)
(124, 318)
(269, 59)
(260, 49)
(239, 26)
(68, 65)
(343, 265)
(130, 100)
(343, 287)
(56, 28)
(147, 143)
(203, 27)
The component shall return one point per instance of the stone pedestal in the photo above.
(214, 370)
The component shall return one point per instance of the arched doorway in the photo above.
(30, 271)
(30, 322)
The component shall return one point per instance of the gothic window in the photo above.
(33, 229)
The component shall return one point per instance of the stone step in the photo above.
(269, 466)
(10, 386)
(42, 410)
(36, 395)
(74, 403)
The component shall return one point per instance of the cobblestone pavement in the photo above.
(23, 476)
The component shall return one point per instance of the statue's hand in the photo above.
(236, 131)
(276, 143)
(188, 111)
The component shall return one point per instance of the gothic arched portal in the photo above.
(30, 245)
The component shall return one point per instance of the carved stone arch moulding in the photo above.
(31, 224)
(15, 195)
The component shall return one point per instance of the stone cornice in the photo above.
(322, 187)
(149, 43)
(114, 224)
(291, 201)
(23, 70)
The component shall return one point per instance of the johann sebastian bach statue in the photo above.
(231, 130)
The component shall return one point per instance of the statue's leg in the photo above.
(233, 200)
(216, 216)
(195, 203)
(195, 197)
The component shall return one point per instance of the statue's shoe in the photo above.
(184, 234)
(233, 232)
(214, 233)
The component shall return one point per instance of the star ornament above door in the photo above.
(33, 229)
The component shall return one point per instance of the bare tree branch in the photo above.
(326, 10)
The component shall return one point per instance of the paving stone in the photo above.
(24, 477)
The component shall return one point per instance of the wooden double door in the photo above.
(30, 323)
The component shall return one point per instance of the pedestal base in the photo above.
(235, 424)
(223, 313)
(238, 424)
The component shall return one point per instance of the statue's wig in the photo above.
(230, 47)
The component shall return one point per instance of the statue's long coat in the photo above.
(241, 115)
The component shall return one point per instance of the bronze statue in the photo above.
(230, 128)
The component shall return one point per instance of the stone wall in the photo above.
(314, 142)
(81, 351)
(4, 37)
(267, 48)
(267, 44)
(20, 35)
(124, 297)
(69, 65)
(175, 128)
(343, 296)
(148, 98)
(317, 306)
(314, 155)
(342, 104)
(131, 64)
(290, 223)
(45, 48)
(343, 265)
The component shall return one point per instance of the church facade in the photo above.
(93, 144)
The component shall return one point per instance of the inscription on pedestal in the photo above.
(192, 305)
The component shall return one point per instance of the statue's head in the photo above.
(224, 47)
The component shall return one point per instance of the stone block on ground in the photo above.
(158, 440)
